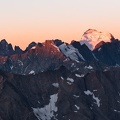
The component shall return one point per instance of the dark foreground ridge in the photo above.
(60, 95)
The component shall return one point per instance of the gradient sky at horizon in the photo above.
(24, 21)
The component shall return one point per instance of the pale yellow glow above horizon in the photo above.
(25, 21)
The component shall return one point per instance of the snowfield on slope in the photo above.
(71, 52)
(47, 112)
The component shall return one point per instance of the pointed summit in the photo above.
(5, 48)
(93, 37)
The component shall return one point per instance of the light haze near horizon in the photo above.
(24, 21)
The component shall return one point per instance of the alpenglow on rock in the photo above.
(93, 37)
(52, 54)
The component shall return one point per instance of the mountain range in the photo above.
(55, 80)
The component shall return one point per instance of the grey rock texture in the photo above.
(60, 95)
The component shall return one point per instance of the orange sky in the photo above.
(25, 21)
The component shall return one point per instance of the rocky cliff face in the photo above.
(51, 54)
(7, 49)
(60, 95)
(36, 58)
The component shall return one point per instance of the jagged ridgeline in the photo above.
(51, 54)
(55, 80)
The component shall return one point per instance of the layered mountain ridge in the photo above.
(55, 80)
(60, 95)
(51, 54)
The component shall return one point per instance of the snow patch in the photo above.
(11, 67)
(95, 57)
(105, 70)
(77, 75)
(32, 72)
(71, 52)
(82, 75)
(93, 96)
(116, 110)
(56, 85)
(94, 90)
(20, 63)
(67, 59)
(38, 102)
(77, 68)
(47, 112)
(72, 65)
(70, 79)
(99, 49)
(97, 100)
(118, 101)
(33, 47)
(69, 83)
(117, 65)
(76, 96)
(91, 108)
(75, 111)
(77, 107)
(88, 67)
(62, 78)
(88, 92)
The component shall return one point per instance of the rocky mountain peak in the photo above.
(18, 50)
(93, 37)
(58, 42)
(3, 41)
(32, 44)
(5, 48)
(3, 44)
(97, 35)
